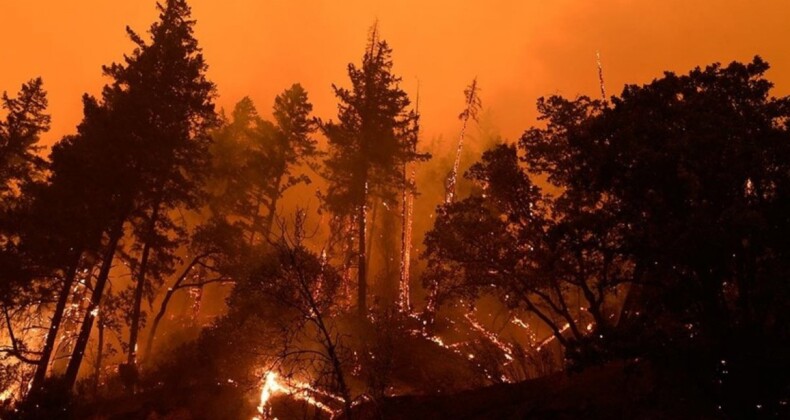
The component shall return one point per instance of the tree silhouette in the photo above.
(26, 119)
(21, 169)
(256, 161)
(674, 192)
(160, 96)
(369, 144)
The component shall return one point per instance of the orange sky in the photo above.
(519, 49)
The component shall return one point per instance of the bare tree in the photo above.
(472, 106)
(307, 285)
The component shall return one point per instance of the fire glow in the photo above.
(273, 385)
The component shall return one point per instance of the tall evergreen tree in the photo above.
(26, 119)
(291, 145)
(257, 161)
(162, 101)
(472, 106)
(369, 144)
(20, 130)
(78, 214)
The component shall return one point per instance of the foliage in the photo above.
(677, 190)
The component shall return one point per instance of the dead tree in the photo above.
(471, 109)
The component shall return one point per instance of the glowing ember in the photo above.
(493, 338)
(470, 111)
(600, 74)
(406, 241)
(553, 337)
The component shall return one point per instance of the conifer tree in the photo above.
(26, 119)
(160, 106)
(369, 144)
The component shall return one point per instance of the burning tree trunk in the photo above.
(73, 368)
(371, 227)
(52, 334)
(472, 102)
(600, 74)
(348, 260)
(131, 358)
(99, 354)
(407, 207)
(362, 287)
(341, 246)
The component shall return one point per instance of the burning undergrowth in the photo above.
(289, 343)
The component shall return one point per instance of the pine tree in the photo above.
(26, 119)
(162, 101)
(369, 144)
(68, 218)
(292, 145)
(256, 161)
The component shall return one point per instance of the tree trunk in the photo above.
(57, 318)
(362, 290)
(163, 307)
(468, 112)
(131, 357)
(134, 330)
(273, 206)
(371, 227)
(406, 240)
(99, 356)
(87, 324)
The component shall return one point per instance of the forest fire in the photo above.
(273, 384)
(201, 236)
(503, 347)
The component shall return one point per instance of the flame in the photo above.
(552, 337)
(472, 105)
(270, 386)
(8, 393)
(273, 385)
(493, 338)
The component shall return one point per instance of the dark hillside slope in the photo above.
(613, 391)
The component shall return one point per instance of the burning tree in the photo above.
(281, 326)
(26, 119)
(306, 286)
(407, 219)
(21, 173)
(472, 106)
(531, 251)
(369, 145)
(155, 114)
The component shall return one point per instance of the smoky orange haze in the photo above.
(519, 50)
